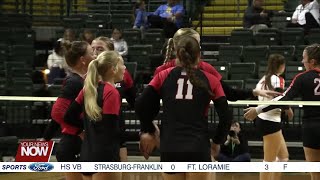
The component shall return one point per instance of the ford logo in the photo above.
(40, 167)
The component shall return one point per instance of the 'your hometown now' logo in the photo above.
(40, 167)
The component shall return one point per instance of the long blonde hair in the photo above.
(172, 42)
(97, 69)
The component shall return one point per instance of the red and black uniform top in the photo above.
(184, 126)
(102, 137)
(72, 85)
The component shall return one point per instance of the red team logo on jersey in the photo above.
(34, 151)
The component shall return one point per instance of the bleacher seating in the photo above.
(132, 68)
(222, 67)
(266, 38)
(294, 36)
(241, 71)
(286, 50)
(255, 53)
(230, 53)
(292, 69)
(241, 37)
(313, 36)
(132, 36)
(223, 16)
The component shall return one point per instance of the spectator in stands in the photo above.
(141, 16)
(69, 35)
(256, 17)
(235, 149)
(87, 36)
(100, 102)
(119, 43)
(306, 15)
(56, 62)
(168, 17)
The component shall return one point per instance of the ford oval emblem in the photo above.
(40, 167)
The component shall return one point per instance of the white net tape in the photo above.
(241, 102)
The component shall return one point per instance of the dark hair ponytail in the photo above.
(188, 51)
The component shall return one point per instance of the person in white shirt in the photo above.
(306, 15)
(56, 63)
(269, 123)
(119, 43)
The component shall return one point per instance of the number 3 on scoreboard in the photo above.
(179, 94)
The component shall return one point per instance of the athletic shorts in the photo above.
(266, 127)
(68, 149)
(311, 137)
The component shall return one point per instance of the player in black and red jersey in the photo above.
(125, 87)
(186, 92)
(101, 103)
(78, 56)
(307, 86)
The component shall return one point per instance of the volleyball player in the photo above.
(125, 87)
(269, 123)
(101, 103)
(231, 94)
(101, 44)
(78, 56)
(186, 92)
(307, 86)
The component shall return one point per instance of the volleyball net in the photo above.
(36, 110)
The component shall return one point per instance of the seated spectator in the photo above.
(168, 17)
(88, 36)
(235, 149)
(141, 16)
(56, 62)
(256, 17)
(69, 35)
(119, 43)
(306, 15)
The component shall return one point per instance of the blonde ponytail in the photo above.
(92, 109)
(96, 70)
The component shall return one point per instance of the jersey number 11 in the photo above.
(179, 94)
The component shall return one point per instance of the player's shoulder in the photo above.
(109, 90)
(209, 76)
(73, 78)
(307, 74)
(275, 78)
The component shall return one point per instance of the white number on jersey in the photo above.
(317, 89)
(179, 94)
